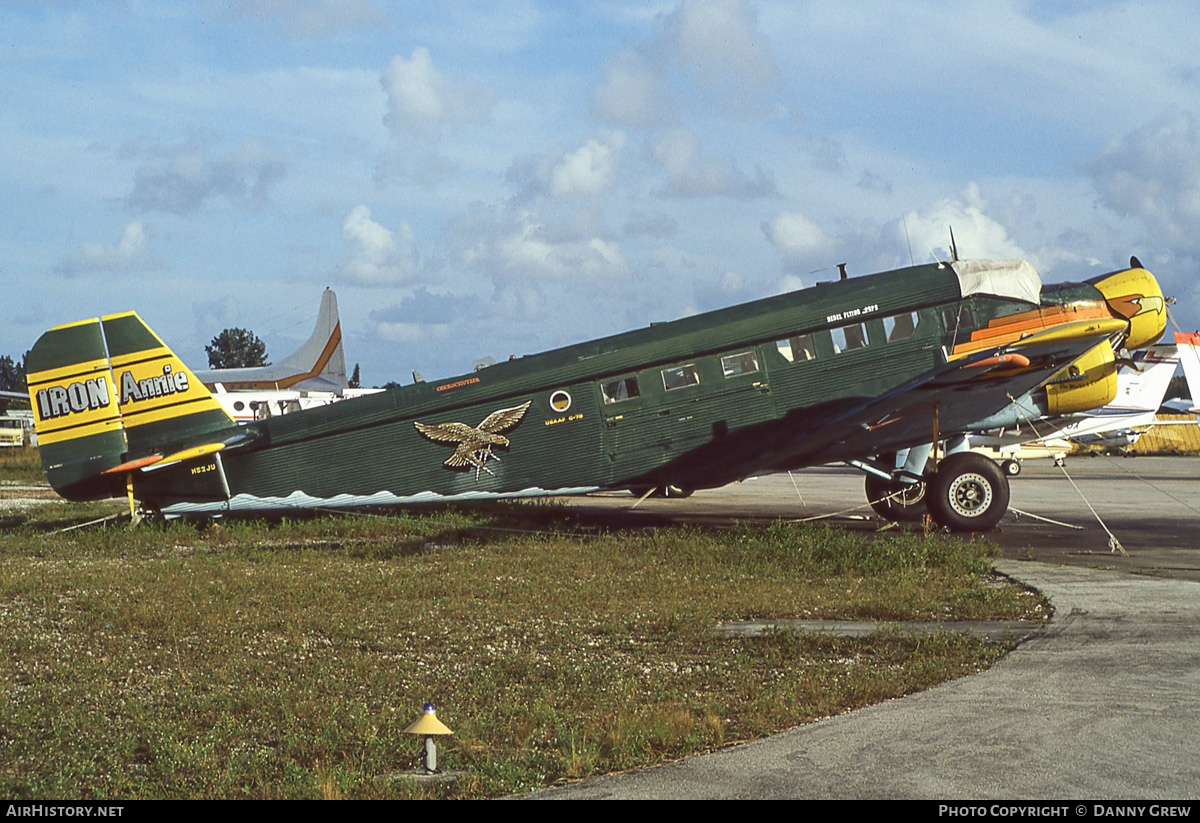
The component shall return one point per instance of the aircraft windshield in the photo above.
(1003, 278)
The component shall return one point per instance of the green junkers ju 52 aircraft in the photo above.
(870, 371)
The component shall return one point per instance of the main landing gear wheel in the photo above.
(1011, 467)
(969, 493)
(901, 502)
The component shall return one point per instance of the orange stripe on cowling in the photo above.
(1011, 328)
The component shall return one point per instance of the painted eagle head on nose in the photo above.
(1131, 305)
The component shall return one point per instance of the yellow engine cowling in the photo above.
(1135, 295)
(1088, 383)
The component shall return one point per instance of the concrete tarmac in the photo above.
(1101, 705)
(1104, 703)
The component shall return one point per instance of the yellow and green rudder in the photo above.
(108, 398)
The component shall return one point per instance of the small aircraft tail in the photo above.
(1189, 356)
(1145, 387)
(318, 365)
(321, 357)
(108, 397)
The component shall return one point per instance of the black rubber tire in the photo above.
(969, 493)
(1011, 467)
(908, 506)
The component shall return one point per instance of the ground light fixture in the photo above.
(429, 727)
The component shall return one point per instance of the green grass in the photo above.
(254, 659)
(21, 466)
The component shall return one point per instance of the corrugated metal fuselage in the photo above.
(802, 378)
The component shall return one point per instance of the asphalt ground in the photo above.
(1102, 704)
(1150, 504)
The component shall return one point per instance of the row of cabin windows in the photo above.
(896, 327)
(795, 349)
(679, 377)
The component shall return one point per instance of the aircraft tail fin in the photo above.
(1189, 356)
(321, 357)
(106, 393)
(1146, 389)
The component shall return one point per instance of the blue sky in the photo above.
(487, 179)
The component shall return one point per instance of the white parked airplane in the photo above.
(319, 365)
(1141, 386)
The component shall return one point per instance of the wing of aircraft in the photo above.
(865, 370)
(318, 365)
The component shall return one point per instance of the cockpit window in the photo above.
(959, 318)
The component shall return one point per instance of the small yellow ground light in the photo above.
(429, 727)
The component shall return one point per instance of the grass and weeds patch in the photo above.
(283, 659)
(21, 466)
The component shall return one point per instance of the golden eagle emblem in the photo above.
(475, 442)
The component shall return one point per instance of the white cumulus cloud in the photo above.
(528, 254)
(589, 169)
(796, 236)
(384, 257)
(976, 234)
(421, 100)
(127, 254)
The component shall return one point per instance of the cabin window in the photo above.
(797, 349)
(680, 377)
(959, 318)
(618, 390)
(238, 405)
(849, 338)
(901, 326)
(735, 364)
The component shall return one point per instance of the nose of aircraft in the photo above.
(1135, 295)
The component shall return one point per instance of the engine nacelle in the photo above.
(1088, 383)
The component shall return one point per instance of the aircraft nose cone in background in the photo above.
(1135, 295)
